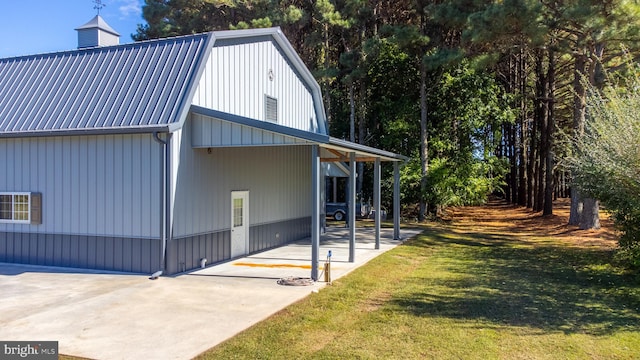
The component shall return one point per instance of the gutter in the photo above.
(165, 176)
(86, 132)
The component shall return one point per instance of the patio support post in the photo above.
(396, 200)
(315, 211)
(376, 199)
(352, 207)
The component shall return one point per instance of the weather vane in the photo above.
(98, 5)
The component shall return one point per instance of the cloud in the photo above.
(130, 7)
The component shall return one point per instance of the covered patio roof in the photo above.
(212, 128)
(220, 129)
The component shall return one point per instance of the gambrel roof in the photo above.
(140, 87)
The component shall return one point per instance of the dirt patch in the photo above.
(500, 217)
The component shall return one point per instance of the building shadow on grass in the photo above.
(548, 287)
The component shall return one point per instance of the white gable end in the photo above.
(255, 80)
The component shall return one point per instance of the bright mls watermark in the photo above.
(32, 350)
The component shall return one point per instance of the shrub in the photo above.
(606, 159)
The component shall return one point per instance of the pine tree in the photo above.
(591, 31)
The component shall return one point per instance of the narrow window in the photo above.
(237, 213)
(271, 109)
(6, 207)
(21, 207)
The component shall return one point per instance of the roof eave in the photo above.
(359, 148)
(87, 132)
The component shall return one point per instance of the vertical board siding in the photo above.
(90, 185)
(236, 79)
(212, 132)
(185, 253)
(79, 251)
(277, 178)
(267, 236)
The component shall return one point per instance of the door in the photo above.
(239, 223)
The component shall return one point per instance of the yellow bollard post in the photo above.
(327, 272)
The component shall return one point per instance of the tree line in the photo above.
(478, 93)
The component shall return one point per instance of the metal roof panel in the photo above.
(134, 85)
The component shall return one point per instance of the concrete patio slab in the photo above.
(123, 316)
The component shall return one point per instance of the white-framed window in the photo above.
(20, 207)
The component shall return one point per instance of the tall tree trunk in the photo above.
(584, 211)
(590, 218)
(579, 107)
(532, 163)
(352, 112)
(521, 135)
(541, 166)
(362, 132)
(327, 84)
(514, 164)
(424, 140)
(506, 152)
(513, 160)
(542, 113)
(551, 124)
(362, 110)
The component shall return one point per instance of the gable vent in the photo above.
(271, 109)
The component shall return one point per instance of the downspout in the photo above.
(165, 174)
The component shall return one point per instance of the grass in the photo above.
(494, 283)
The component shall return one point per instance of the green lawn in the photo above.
(458, 293)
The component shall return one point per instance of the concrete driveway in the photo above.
(122, 316)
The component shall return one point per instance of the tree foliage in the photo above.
(606, 163)
(469, 111)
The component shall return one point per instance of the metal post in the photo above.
(323, 200)
(376, 199)
(352, 207)
(396, 200)
(315, 211)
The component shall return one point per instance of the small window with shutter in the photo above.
(21, 207)
(271, 109)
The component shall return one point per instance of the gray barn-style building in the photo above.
(159, 154)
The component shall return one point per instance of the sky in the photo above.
(40, 26)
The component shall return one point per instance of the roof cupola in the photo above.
(97, 33)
